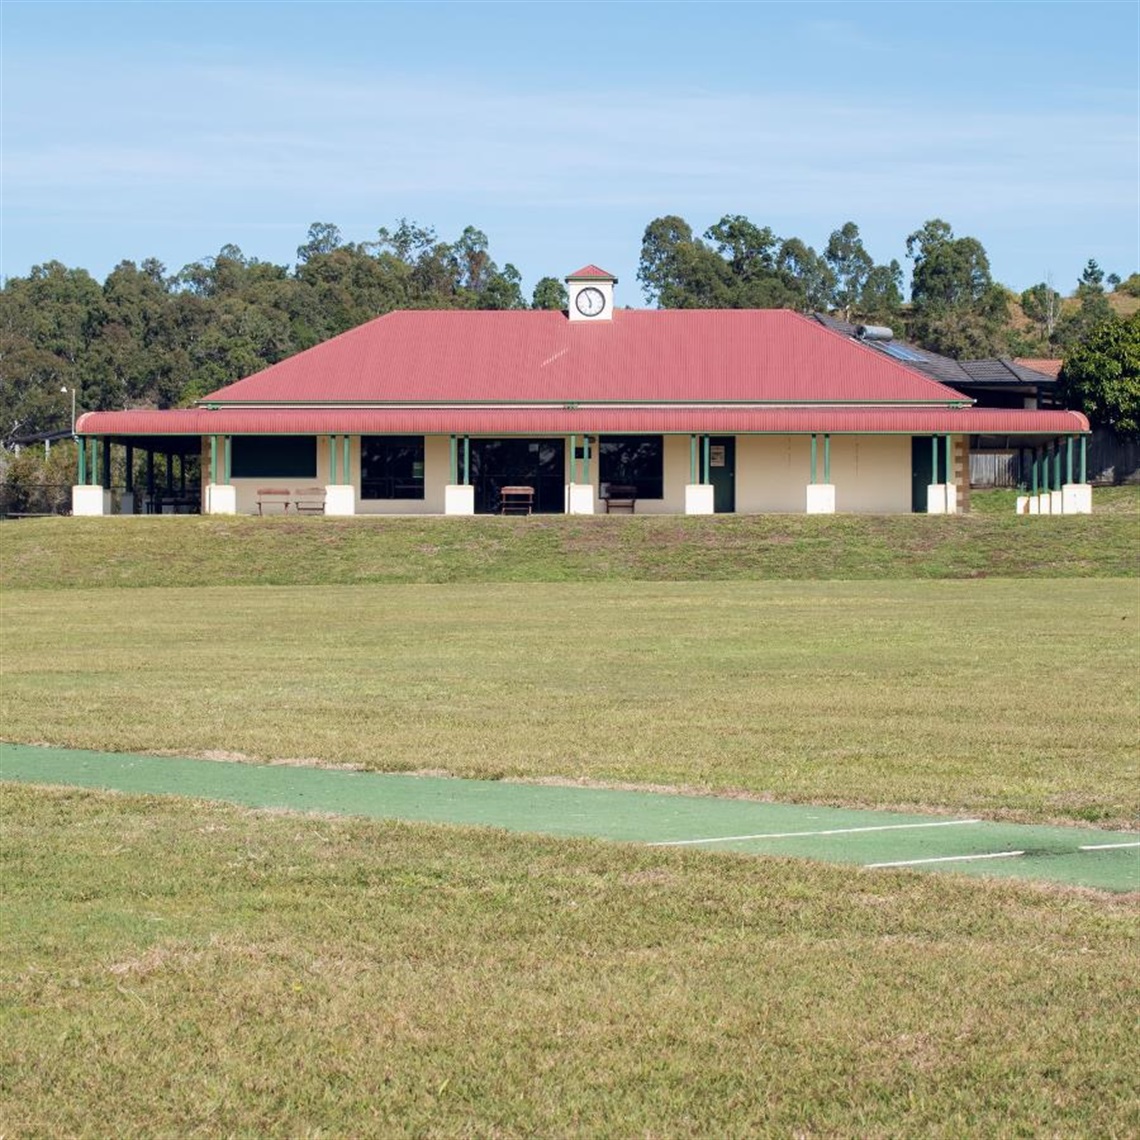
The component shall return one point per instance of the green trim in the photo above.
(1069, 459)
(81, 461)
(1057, 463)
(1084, 459)
(332, 458)
(466, 460)
(95, 479)
(814, 450)
(827, 457)
(706, 466)
(213, 460)
(934, 459)
(586, 453)
(572, 442)
(692, 459)
(228, 464)
(346, 443)
(454, 461)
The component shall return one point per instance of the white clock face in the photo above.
(590, 302)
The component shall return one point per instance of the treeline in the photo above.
(955, 306)
(148, 338)
(145, 337)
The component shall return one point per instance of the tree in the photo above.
(1041, 304)
(1093, 306)
(549, 293)
(957, 308)
(882, 298)
(851, 265)
(324, 237)
(806, 275)
(1101, 375)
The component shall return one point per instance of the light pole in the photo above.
(72, 391)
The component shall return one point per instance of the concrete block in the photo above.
(90, 501)
(458, 499)
(1056, 502)
(1022, 507)
(936, 499)
(699, 499)
(1076, 499)
(579, 499)
(340, 499)
(1034, 505)
(821, 498)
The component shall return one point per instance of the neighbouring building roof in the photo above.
(1046, 366)
(965, 375)
(640, 356)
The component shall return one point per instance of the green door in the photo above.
(722, 472)
(922, 472)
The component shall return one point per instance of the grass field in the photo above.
(186, 970)
(181, 968)
(997, 696)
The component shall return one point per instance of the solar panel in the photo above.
(900, 352)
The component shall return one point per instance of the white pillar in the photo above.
(340, 499)
(1022, 507)
(1076, 499)
(699, 499)
(1056, 502)
(90, 501)
(579, 498)
(458, 499)
(221, 499)
(821, 498)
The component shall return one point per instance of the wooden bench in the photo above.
(273, 497)
(620, 497)
(310, 501)
(516, 500)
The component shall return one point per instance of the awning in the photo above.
(581, 420)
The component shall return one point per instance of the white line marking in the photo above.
(1107, 846)
(948, 859)
(803, 834)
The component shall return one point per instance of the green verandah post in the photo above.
(1069, 459)
(454, 461)
(934, 459)
(81, 461)
(213, 460)
(814, 446)
(692, 459)
(347, 455)
(332, 458)
(706, 475)
(1057, 463)
(827, 458)
(1084, 459)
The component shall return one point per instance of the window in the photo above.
(274, 457)
(633, 461)
(392, 467)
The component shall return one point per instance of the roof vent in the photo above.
(873, 332)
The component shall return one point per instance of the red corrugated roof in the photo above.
(588, 420)
(742, 355)
(590, 271)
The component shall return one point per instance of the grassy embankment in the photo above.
(184, 551)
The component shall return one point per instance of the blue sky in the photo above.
(169, 129)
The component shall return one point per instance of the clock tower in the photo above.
(591, 293)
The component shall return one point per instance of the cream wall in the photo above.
(871, 473)
(772, 472)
